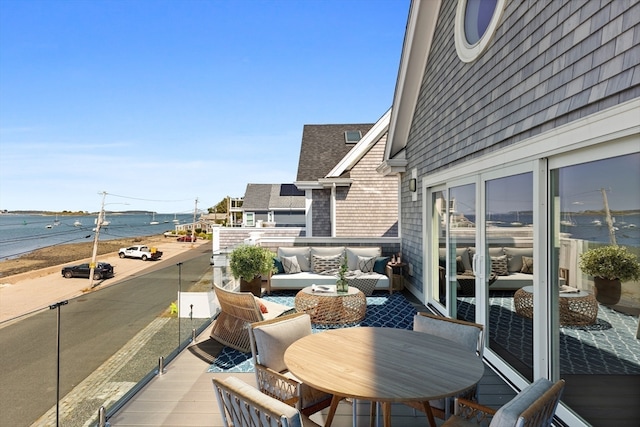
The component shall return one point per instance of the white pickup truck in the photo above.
(140, 251)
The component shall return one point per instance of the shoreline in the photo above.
(37, 288)
(57, 255)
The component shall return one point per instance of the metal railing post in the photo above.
(161, 365)
(102, 417)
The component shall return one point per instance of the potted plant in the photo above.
(248, 263)
(610, 266)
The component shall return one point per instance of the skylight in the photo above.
(352, 136)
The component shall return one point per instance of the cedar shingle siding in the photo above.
(549, 63)
(321, 213)
(370, 206)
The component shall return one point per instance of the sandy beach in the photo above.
(33, 281)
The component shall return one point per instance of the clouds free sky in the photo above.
(161, 102)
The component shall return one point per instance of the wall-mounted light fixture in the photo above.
(412, 185)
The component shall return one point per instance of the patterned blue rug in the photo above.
(608, 347)
(384, 310)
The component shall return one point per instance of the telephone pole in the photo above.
(193, 228)
(92, 266)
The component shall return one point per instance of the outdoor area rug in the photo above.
(383, 310)
(608, 347)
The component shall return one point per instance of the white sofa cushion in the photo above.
(302, 253)
(514, 255)
(273, 339)
(325, 263)
(355, 252)
(290, 264)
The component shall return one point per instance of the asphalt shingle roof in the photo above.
(261, 197)
(323, 146)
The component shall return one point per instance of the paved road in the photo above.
(94, 326)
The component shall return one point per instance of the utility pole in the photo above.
(92, 266)
(612, 231)
(193, 228)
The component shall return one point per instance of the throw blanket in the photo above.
(356, 278)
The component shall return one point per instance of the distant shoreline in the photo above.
(70, 253)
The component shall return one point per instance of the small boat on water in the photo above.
(153, 220)
(49, 226)
(77, 223)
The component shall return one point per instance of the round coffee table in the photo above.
(331, 308)
(576, 308)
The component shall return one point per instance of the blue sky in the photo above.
(161, 102)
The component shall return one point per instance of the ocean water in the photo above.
(590, 227)
(20, 234)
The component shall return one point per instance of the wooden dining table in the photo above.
(383, 365)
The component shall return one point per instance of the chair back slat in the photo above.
(243, 405)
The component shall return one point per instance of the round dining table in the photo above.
(383, 365)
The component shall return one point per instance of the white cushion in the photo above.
(300, 252)
(354, 252)
(274, 338)
(290, 264)
(365, 264)
(325, 263)
(514, 255)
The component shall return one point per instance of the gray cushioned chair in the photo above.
(468, 334)
(534, 406)
(269, 339)
(244, 405)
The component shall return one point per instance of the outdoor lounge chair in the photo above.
(269, 340)
(237, 310)
(534, 406)
(468, 334)
(244, 405)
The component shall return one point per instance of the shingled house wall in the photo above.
(369, 207)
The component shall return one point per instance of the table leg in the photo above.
(427, 410)
(386, 414)
(373, 414)
(335, 400)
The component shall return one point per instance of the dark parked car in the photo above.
(188, 238)
(103, 270)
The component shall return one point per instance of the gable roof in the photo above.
(362, 147)
(323, 146)
(263, 197)
(421, 26)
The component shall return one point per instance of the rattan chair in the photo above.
(269, 340)
(237, 311)
(534, 406)
(468, 334)
(243, 405)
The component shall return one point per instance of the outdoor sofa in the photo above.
(511, 267)
(302, 266)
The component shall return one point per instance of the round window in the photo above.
(476, 21)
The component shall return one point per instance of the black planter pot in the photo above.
(607, 291)
(254, 286)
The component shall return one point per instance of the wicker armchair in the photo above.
(468, 334)
(237, 310)
(534, 406)
(243, 405)
(269, 340)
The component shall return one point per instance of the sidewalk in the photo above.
(28, 292)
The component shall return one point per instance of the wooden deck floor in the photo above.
(183, 395)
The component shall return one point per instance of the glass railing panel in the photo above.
(111, 339)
